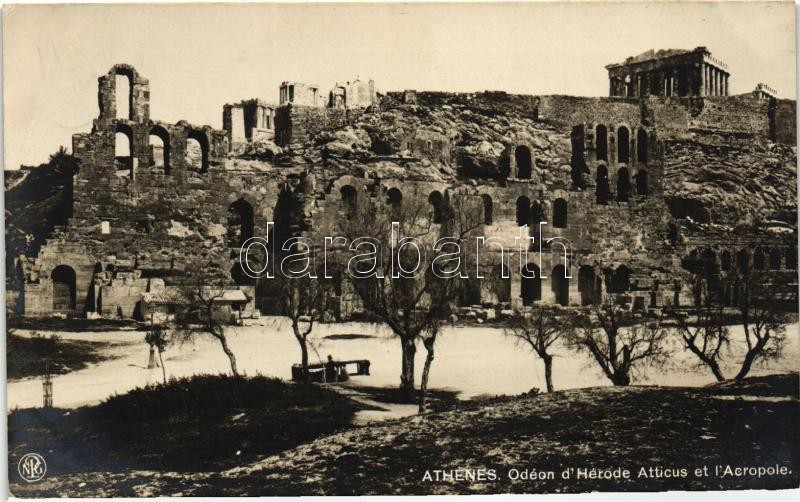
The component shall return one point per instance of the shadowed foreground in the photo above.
(747, 424)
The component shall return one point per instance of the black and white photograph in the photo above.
(336, 249)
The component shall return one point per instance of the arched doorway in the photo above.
(588, 285)
(623, 145)
(619, 280)
(560, 213)
(349, 198)
(601, 141)
(240, 223)
(623, 185)
(531, 286)
(641, 146)
(775, 259)
(602, 190)
(523, 211)
(522, 154)
(394, 198)
(63, 277)
(196, 155)
(158, 140)
(641, 183)
(502, 283)
(488, 209)
(560, 285)
(123, 150)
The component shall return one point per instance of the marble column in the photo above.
(703, 79)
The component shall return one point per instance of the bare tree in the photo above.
(199, 308)
(707, 334)
(414, 308)
(620, 344)
(539, 329)
(156, 338)
(304, 300)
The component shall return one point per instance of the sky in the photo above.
(199, 57)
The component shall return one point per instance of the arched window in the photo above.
(759, 259)
(196, 156)
(775, 259)
(531, 287)
(560, 213)
(437, 206)
(522, 154)
(159, 148)
(709, 260)
(725, 261)
(602, 189)
(394, 198)
(240, 223)
(523, 211)
(641, 146)
(641, 183)
(350, 199)
(123, 93)
(123, 150)
(743, 260)
(601, 142)
(623, 185)
(560, 285)
(63, 277)
(623, 145)
(488, 209)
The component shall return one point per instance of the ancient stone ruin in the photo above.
(667, 171)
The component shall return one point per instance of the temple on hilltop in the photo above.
(669, 72)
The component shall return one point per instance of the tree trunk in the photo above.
(304, 361)
(230, 355)
(409, 347)
(548, 372)
(151, 363)
(163, 369)
(711, 363)
(749, 358)
(426, 371)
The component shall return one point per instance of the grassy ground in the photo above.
(30, 356)
(190, 425)
(751, 423)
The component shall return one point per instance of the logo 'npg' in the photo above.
(32, 467)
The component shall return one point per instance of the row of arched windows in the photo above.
(624, 186)
(762, 259)
(196, 151)
(623, 144)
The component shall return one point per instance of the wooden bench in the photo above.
(317, 372)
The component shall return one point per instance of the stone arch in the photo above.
(191, 151)
(488, 209)
(559, 282)
(524, 161)
(123, 150)
(531, 285)
(133, 94)
(394, 199)
(775, 259)
(578, 159)
(560, 213)
(162, 134)
(240, 223)
(601, 142)
(589, 285)
(349, 198)
(64, 288)
(523, 210)
(641, 183)
(641, 145)
(623, 185)
(602, 188)
(437, 206)
(623, 145)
